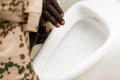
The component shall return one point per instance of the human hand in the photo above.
(52, 12)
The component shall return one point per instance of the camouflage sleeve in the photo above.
(13, 10)
(15, 61)
(34, 10)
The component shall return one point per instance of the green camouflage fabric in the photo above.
(15, 62)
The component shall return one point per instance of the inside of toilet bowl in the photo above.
(81, 41)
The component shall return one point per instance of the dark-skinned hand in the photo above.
(51, 13)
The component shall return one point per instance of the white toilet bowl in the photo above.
(91, 32)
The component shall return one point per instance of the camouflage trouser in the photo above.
(15, 62)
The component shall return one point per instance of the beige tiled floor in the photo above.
(35, 50)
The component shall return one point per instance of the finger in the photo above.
(46, 2)
(42, 25)
(41, 29)
(55, 13)
(57, 7)
(42, 22)
(48, 17)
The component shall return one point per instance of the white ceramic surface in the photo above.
(91, 32)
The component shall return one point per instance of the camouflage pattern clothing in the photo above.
(16, 20)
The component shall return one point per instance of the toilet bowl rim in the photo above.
(106, 44)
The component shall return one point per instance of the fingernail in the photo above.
(62, 14)
(63, 22)
(45, 25)
(57, 25)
